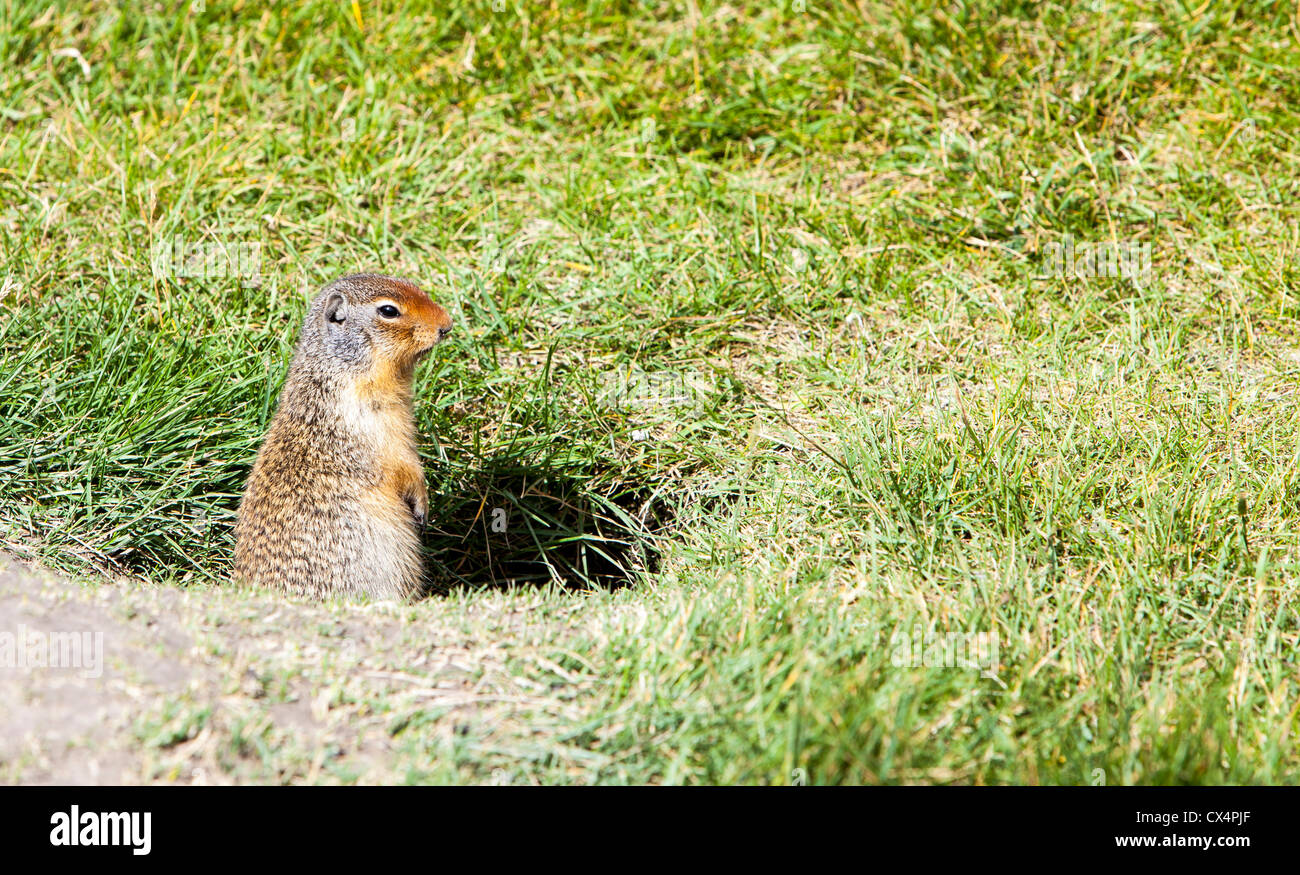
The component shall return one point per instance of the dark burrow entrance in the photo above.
(515, 525)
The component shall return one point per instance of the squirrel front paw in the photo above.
(418, 502)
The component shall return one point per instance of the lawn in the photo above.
(841, 392)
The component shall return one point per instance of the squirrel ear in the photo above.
(336, 308)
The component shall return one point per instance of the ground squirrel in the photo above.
(337, 496)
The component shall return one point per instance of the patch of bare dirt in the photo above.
(130, 683)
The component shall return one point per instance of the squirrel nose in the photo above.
(443, 332)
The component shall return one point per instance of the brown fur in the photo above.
(337, 495)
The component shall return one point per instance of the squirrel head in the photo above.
(380, 326)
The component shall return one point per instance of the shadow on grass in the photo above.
(512, 524)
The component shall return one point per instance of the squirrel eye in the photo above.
(388, 311)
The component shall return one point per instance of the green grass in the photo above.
(830, 220)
